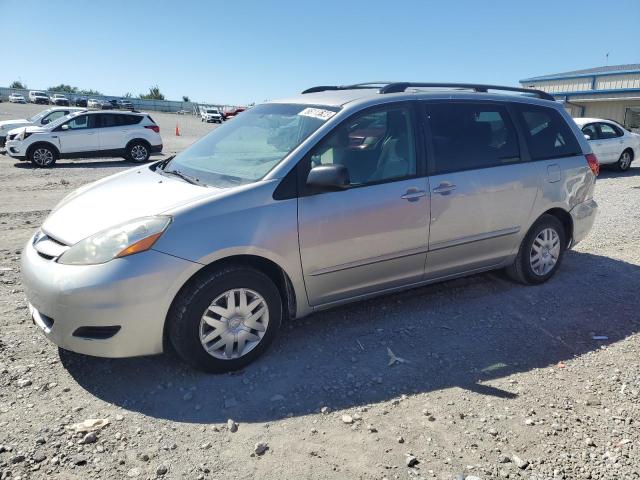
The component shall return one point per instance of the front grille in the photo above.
(48, 247)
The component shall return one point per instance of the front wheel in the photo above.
(138, 152)
(624, 162)
(43, 156)
(540, 253)
(224, 320)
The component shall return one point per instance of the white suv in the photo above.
(210, 115)
(131, 135)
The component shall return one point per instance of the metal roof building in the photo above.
(603, 92)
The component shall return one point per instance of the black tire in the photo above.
(624, 162)
(521, 269)
(138, 151)
(185, 315)
(42, 155)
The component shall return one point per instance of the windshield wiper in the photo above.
(163, 163)
(184, 176)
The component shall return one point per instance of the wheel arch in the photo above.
(268, 267)
(138, 139)
(42, 142)
(565, 219)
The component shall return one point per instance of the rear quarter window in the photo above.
(546, 132)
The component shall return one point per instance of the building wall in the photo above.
(631, 80)
(569, 85)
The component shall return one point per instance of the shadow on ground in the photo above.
(454, 334)
(89, 163)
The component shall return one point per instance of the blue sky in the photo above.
(245, 51)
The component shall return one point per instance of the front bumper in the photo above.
(3, 141)
(133, 293)
(583, 216)
(16, 149)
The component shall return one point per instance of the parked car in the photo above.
(125, 105)
(211, 115)
(211, 249)
(232, 112)
(45, 117)
(16, 98)
(113, 104)
(36, 96)
(59, 99)
(87, 134)
(93, 103)
(612, 143)
(80, 101)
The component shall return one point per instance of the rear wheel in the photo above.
(225, 319)
(138, 152)
(624, 162)
(540, 253)
(43, 156)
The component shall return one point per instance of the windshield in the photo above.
(59, 121)
(38, 116)
(247, 147)
(39, 94)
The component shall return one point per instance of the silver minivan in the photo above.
(298, 205)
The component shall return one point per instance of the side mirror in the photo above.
(45, 121)
(329, 177)
(64, 127)
(588, 137)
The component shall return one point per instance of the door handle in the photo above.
(413, 194)
(91, 133)
(444, 188)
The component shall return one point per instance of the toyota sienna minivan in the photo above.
(331, 196)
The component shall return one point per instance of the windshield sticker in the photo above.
(318, 113)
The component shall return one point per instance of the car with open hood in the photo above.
(40, 119)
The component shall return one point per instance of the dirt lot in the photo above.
(498, 380)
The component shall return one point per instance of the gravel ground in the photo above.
(494, 380)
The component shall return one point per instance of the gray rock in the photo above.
(17, 459)
(38, 457)
(348, 419)
(260, 448)
(411, 460)
(134, 472)
(232, 426)
(23, 382)
(79, 460)
(91, 437)
(520, 463)
(161, 470)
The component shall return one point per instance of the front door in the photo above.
(372, 236)
(80, 135)
(481, 191)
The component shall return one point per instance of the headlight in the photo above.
(120, 241)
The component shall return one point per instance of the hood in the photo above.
(134, 193)
(29, 128)
(7, 125)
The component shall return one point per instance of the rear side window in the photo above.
(468, 135)
(129, 119)
(546, 133)
(609, 131)
(108, 120)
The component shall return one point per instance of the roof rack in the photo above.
(397, 87)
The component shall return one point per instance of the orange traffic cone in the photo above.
(177, 130)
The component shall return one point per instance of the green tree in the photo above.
(185, 98)
(63, 88)
(18, 84)
(154, 94)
